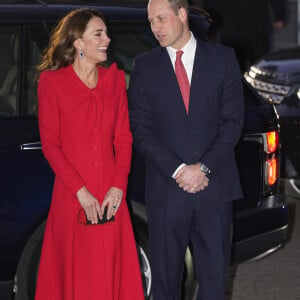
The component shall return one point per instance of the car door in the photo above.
(25, 194)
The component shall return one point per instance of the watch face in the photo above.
(205, 169)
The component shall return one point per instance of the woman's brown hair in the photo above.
(60, 51)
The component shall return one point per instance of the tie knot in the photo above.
(179, 54)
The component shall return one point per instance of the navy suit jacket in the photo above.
(166, 136)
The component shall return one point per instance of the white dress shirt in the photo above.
(187, 57)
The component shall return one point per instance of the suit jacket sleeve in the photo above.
(122, 139)
(232, 116)
(48, 114)
(141, 120)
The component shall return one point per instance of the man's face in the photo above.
(168, 28)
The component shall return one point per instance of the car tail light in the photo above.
(272, 141)
(271, 171)
(271, 165)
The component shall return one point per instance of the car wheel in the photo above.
(145, 269)
(26, 275)
(189, 286)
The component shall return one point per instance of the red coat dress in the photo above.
(86, 139)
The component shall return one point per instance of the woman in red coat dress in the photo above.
(84, 128)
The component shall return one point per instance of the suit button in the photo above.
(96, 164)
(95, 147)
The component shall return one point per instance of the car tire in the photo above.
(189, 286)
(142, 249)
(27, 270)
(26, 274)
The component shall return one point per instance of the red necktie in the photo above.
(182, 79)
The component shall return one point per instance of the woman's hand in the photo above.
(113, 200)
(90, 205)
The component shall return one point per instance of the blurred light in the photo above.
(298, 93)
(271, 171)
(272, 141)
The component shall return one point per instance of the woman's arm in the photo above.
(49, 126)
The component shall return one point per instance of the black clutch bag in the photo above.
(82, 218)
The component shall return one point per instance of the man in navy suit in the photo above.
(186, 117)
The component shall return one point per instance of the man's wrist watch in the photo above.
(205, 170)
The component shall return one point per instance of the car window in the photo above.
(36, 39)
(127, 41)
(9, 69)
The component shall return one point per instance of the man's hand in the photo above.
(191, 179)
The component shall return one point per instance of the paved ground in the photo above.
(276, 277)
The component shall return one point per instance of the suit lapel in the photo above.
(198, 75)
(167, 75)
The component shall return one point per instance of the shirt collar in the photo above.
(187, 49)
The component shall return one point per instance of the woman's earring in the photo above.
(81, 55)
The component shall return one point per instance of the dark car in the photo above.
(276, 77)
(26, 180)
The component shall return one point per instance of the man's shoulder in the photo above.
(214, 47)
(215, 53)
(150, 56)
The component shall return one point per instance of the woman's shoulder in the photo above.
(52, 74)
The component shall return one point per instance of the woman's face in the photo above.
(94, 41)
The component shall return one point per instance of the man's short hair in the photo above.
(177, 4)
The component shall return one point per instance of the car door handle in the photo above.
(31, 146)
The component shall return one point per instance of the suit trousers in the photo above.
(202, 223)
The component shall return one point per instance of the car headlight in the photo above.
(270, 91)
(298, 93)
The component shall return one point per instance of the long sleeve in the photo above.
(122, 140)
(147, 143)
(49, 125)
(232, 117)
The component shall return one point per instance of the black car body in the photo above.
(260, 219)
(276, 77)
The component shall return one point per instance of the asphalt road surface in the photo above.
(275, 277)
